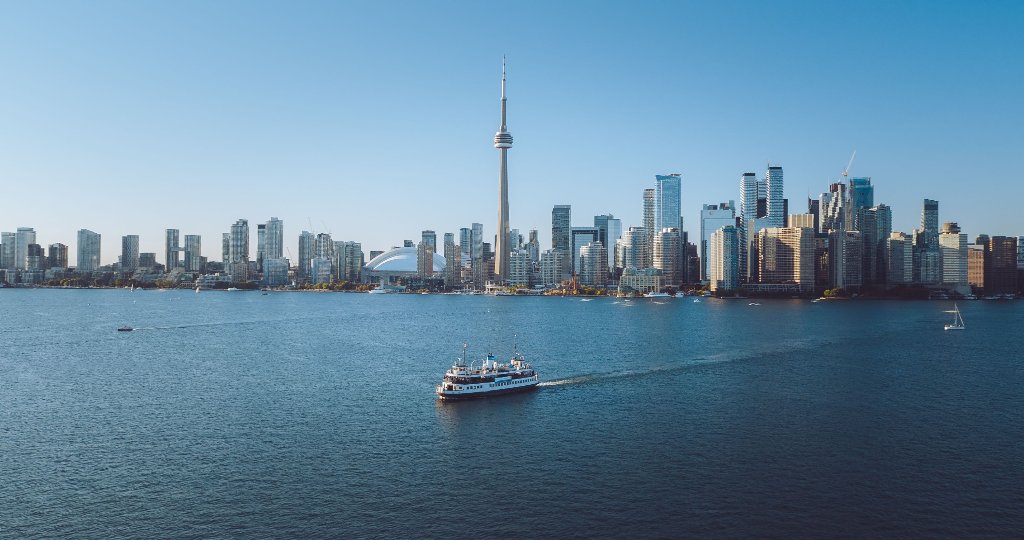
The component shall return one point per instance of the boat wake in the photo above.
(697, 363)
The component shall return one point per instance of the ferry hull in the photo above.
(458, 395)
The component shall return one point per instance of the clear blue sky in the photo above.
(375, 120)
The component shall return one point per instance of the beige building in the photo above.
(786, 255)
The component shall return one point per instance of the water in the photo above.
(304, 414)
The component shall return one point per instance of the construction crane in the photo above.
(847, 169)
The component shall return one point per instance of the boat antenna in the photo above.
(515, 343)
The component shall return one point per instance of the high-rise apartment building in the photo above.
(668, 256)
(239, 248)
(561, 228)
(348, 261)
(551, 265)
(632, 250)
(451, 261)
(593, 264)
(479, 270)
(650, 222)
(533, 247)
(582, 236)
(23, 238)
(609, 231)
(928, 246)
(723, 263)
(899, 259)
(88, 259)
(425, 254)
(776, 205)
(129, 253)
(712, 218)
(307, 243)
(786, 255)
(862, 195)
(751, 193)
(193, 253)
(1001, 265)
(172, 248)
(274, 248)
(261, 245)
(520, 269)
(953, 248)
(8, 241)
(57, 256)
(668, 190)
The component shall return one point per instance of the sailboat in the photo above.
(958, 320)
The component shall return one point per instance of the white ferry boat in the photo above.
(490, 378)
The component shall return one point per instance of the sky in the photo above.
(375, 120)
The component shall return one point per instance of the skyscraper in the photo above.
(306, 244)
(668, 256)
(57, 256)
(261, 245)
(582, 236)
(24, 237)
(425, 253)
(723, 255)
(776, 205)
(593, 264)
(669, 199)
(88, 251)
(239, 250)
(929, 257)
(561, 228)
(502, 141)
(193, 253)
(7, 245)
(609, 230)
(712, 218)
(129, 253)
(649, 222)
(953, 247)
(451, 261)
(171, 250)
(747, 230)
(275, 239)
(786, 256)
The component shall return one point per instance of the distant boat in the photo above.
(197, 288)
(753, 304)
(125, 328)
(234, 289)
(958, 320)
(379, 290)
(653, 294)
(696, 300)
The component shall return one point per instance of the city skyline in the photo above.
(264, 127)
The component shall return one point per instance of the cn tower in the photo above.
(502, 141)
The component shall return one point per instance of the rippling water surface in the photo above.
(304, 414)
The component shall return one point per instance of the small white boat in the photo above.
(653, 294)
(958, 320)
(696, 300)
(234, 289)
(753, 304)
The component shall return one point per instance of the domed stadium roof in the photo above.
(401, 260)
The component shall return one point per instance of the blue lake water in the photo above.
(304, 414)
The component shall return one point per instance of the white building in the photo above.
(953, 248)
(593, 261)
